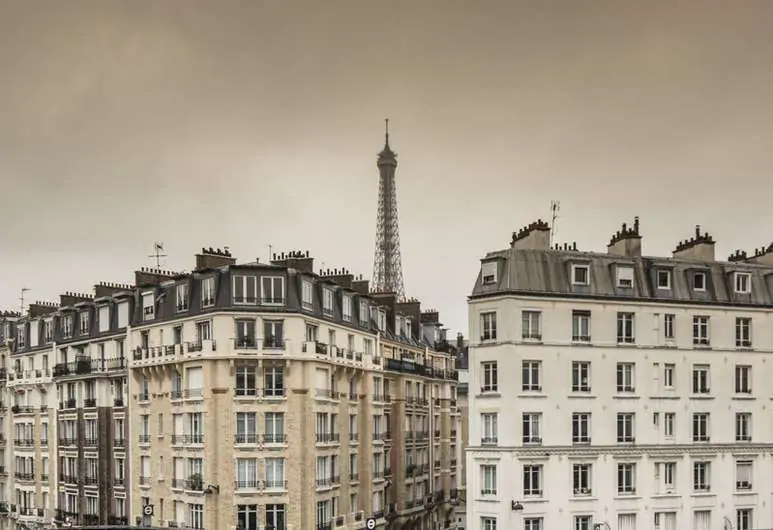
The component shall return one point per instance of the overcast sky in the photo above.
(257, 123)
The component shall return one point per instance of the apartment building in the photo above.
(460, 509)
(6, 491)
(620, 390)
(258, 397)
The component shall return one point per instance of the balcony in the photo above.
(69, 403)
(117, 521)
(194, 483)
(90, 403)
(27, 477)
(90, 442)
(119, 482)
(187, 439)
(24, 442)
(68, 479)
(90, 481)
(274, 438)
(143, 438)
(245, 343)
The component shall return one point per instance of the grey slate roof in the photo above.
(547, 273)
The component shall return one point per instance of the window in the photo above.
(275, 473)
(743, 332)
(531, 427)
(626, 377)
(276, 517)
(207, 292)
(488, 474)
(346, 308)
(625, 328)
(665, 521)
(624, 276)
(669, 422)
(530, 376)
(85, 321)
(669, 376)
(489, 421)
(701, 476)
(273, 290)
(581, 326)
(581, 376)
(530, 325)
(626, 478)
(665, 477)
(247, 516)
(702, 520)
(181, 295)
(700, 330)
(743, 427)
(489, 273)
(664, 279)
(490, 381)
(700, 427)
(583, 522)
(626, 427)
(307, 299)
(699, 281)
(581, 479)
(245, 381)
(273, 384)
(364, 313)
(669, 321)
(488, 523)
(743, 379)
(148, 309)
(743, 475)
(488, 326)
(626, 521)
(701, 379)
(533, 523)
(245, 289)
(196, 515)
(532, 480)
(273, 334)
(327, 301)
(743, 519)
(245, 334)
(580, 275)
(581, 427)
(246, 473)
(66, 321)
(743, 282)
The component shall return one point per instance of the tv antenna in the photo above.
(158, 253)
(555, 207)
(21, 298)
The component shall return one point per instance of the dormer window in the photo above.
(699, 281)
(364, 312)
(148, 306)
(743, 282)
(21, 341)
(66, 323)
(48, 331)
(381, 320)
(307, 295)
(664, 279)
(624, 276)
(346, 307)
(580, 275)
(103, 318)
(327, 301)
(85, 324)
(489, 273)
(181, 295)
(408, 328)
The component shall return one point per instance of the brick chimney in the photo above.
(103, 289)
(69, 299)
(341, 277)
(296, 259)
(626, 242)
(535, 236)
(459, 341)
(39, 309)
(430, 316)
(361, 286)
(762, 256)
(700, 247)
(212, 258)
(147, 276)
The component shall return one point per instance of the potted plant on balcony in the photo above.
(196, 482)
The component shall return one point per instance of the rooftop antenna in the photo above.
(555, 207)
(158, 249)
(270, 253)
(21, 298)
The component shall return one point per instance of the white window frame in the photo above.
(181, 297)
(669, 327)
(701, 477)
(581, 425)
(248, 298)
(531, 375)
(626, 327)
(669, 376)
(488, 326)
(626, 478)
(583, 522)
(701, 427)
(742, 282)
(581, 281)
(743, 379)
(307, 294)
(582, 478)
(489, 377)
(581, 381)
(328, 301)
(669, 424)
(663, 279)
(701, 330)
(346, 308)
(533, 523)
(488, 479)
(148, 307)
(626, 377)
(743, 475)
(743, 332)
(66, 324)
(581, 321)
(743, 427)
(364, 313)
(269, 283)
(701, 379)
(489, 426)
(626, 427)
(488, 273)
(744, 519)
(531, 325)
(624, 276)
(533, 479)
(531, 428)
(488, 523)
(208, 291)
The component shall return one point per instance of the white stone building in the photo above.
(619, 391)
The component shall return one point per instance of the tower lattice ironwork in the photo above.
(387, 263)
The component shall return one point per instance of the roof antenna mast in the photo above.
(555, 207)
(21, 298)
(158, 253)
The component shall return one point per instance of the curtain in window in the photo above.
(669, 521)
(702, 520)
(626, 521)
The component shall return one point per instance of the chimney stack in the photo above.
(762, 255)
(361, 286)
(296, 259)
(148, 276)
(213, 258)
(626, 242)
(103, 289)
(39, 309)
(341, 277)
(459, 341)
(535, 236)
(69, 299)
(700, 247)
(430, 316)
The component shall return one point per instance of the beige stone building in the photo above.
(265, 395)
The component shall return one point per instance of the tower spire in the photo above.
(387, 262)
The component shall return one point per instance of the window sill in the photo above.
(702, 397)
(493, 395)
(532, 394)
(624, 497)
(744, 397)
(492, 498)
(626, 396)
(666, 496)
(744, 493)
(702, 494)
(534, 500)
(581, 395)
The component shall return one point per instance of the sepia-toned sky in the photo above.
(256, 123)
